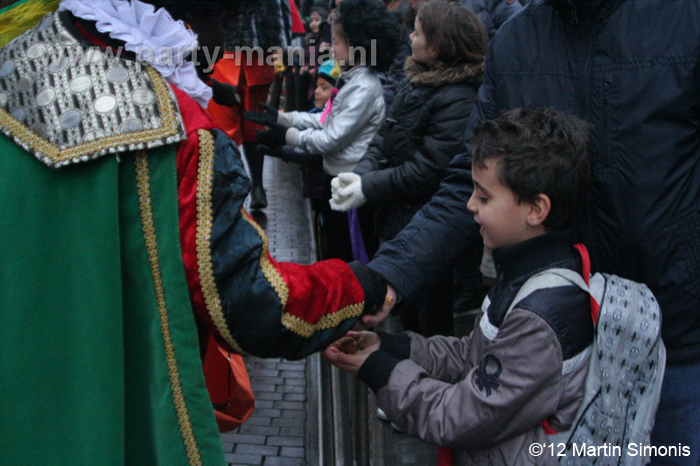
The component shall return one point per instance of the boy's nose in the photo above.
(471, 204)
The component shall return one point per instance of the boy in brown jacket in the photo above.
(487, 395)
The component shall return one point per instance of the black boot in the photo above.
(255, 159)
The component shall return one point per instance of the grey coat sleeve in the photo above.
(442, 357)
(516, 385)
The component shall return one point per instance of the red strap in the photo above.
(586, 262)
(444, 456)
(595, 307)
(595, 310)
(548, 430)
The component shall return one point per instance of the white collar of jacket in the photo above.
(350, 75)
(153, 35)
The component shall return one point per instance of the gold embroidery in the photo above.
(289, 321)
(46, 151)
(269, 270)
(183, 417)
(305, 329)
(204, 223)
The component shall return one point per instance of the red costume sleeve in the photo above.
(288, 309)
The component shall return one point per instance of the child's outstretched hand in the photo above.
(351, 351)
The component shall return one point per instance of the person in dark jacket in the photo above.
(408, 158)
(493, 13)
(631, 70)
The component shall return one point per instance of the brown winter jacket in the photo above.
(485, 395)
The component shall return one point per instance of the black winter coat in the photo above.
(422, 132)
(631, 69)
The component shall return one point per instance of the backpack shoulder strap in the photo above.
(586, 272)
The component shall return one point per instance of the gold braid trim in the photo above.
(269, 270)
(305, 329)
(183, 417)
(205, 178)
(289, 321)
(44, 149)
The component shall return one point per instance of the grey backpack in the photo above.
(623, 386)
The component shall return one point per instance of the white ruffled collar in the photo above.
(153, 35)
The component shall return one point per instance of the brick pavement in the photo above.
(283, 429)
(276, 432)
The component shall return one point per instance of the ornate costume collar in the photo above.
(153, 35)
(65, 103)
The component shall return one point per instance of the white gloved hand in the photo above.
(337, 183)
(346, 192)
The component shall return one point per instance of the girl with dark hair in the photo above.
(408, 158)
(365, 39)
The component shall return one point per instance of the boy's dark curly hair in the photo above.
(361, 22)
(539, 151)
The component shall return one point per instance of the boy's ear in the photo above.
(539, 210)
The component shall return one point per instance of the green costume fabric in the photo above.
(94, 367)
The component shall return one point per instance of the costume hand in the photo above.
(347, 192)
(365, 344)
(374, 287)
(273, 137)
(373, 320)
(267, 117)
(225, 94)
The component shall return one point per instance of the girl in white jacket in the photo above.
(365, 40)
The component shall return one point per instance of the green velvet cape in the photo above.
(99, 359)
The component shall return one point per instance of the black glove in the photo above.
(268, 117)
(273, 137)
(224, 94)
(295, 155)
(373, 284)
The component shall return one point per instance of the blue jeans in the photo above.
(678, 417)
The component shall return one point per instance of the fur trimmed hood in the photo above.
(421, 75)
